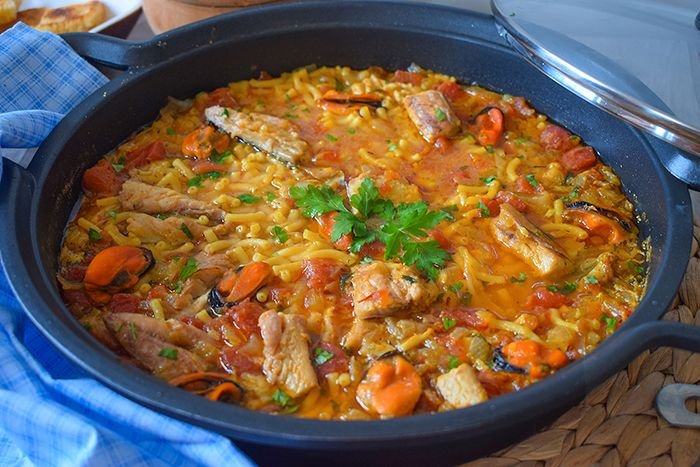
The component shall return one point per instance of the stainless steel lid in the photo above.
(638, 59)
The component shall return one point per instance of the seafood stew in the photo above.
(352, 244)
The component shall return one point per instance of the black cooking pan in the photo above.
(36, 204)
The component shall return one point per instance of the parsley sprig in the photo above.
(401, 226)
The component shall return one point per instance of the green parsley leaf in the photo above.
(162, 216)
(639, 269)
(489, 148)
(170, 131)
(507, 97)
(190, 268)
(219, 158)
(368, 203)
(176, 287)
(453, 362)
(591, 280)
(610, 321)
(553, 288)
(351, 131)
(448, 323)
(568, 287)
(119, 166)
(225, 112)
(212, 174)
(331, 138)
(521, 278)
(186, 230)
(426, 256)
(531, 180)
(280, 397)
(456, 287)
(317, 201)
(393, 147)
(440, 114)
(270, 196)
(339, 85)
(366, 260)
(521, 140)
(94, 235)
(112, 214)
(247, 198)
(571, 196)
(290, 115)
(168, 352)
(287, 98)
(321, 356)
(488, 180)
(483, 209)
(195, 181)
(279, 233)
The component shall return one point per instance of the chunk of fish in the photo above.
(527, 241)
(139, 196)
(167, 348)
(276, 136)
(460, 387)
(286, 351)
(381, 289)
(432, 114)
(152, 230)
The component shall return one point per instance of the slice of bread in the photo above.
(72, 18)
(8, 10)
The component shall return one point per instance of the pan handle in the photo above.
(115, 53)
(683, 166)
(670, 401)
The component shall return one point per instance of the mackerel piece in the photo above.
(276, 136)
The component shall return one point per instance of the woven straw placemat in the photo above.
(617, 423)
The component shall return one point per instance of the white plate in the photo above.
(117, 10)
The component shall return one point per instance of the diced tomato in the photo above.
(144, 155)
(245, 317)
(191, 321)
(493, 207)
(524, 187)
(466, 175)
(402, 76)
(373, 249)
(490, 126)
(77, 302)
(439, 237)
(547, 299)
(102, 179)
(555, 138)
(338, 363)
(220, 96)
(327, 155)
(513, 200)
(124, 303)
(466, 317)
(579, 159)
(442, 144)
(202, 166)
(158, 291)
(322, 274)
(452, 91)
(326, 223)
(234, 362)
(202, 141)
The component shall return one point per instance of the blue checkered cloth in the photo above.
(51, 412)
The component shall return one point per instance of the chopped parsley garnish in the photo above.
(219, 158)
(521, 140)
(186, 230)
(566, 289)
(456, 287)
(225, 112)
(247, 198)
(366, 260)
(290, 115)
(190, 268)
(119, 166)
(270, 196)
(488, 180)
(195, 181)
(162, 216)
(591, 280)
(507, 97)
(453, 362)
(489, 148)
(393, 147)
(639, 269)
(279, 233)
(287, 98)
(351, 131)
(132, 330)
(94, 235)
(440, 114)
(571, 196)
(532, 180)
(176, 287)
(112, 214)
(280, 397)
(610, 321)
(170, 131)
(339, 85)
(212, 174)
(331, 138)
(519, 279)
(409, 279)
(401, 225)
(321, 356)
(448, 323)
(168, 352)
(483, 209)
